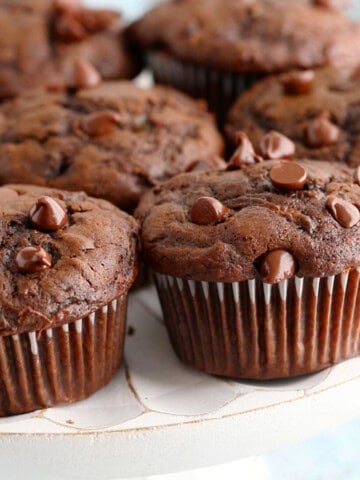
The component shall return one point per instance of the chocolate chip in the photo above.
(131, 331)
(356, 73)
(69, 29)
(288, 176)
(343, 211)
(276, 266)
(85, 75)
(299, 82)
(33, 260)
(357, 175)
(244, 154)
(321, 132)
(7, 196)
(207, 211)
(332, 4)
(48, 215)
(100, 123)
(274, 145)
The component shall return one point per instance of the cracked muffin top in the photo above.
(250, 36)
(63, 256)
(276, 218)
(319, 111)
(59, 44)
(114, 141)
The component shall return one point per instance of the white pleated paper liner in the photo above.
(259, 331)
(63, 364)
(219, 88)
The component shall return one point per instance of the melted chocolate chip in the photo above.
(69, 29)
(33, 260)
(85, 75)
(100, 123)
(244, 154)
(331, 4)
(288, 176)
(7, 196)
(298, 82)
(321, 132)
(276, 266)
(48, 215)
(343, 211)
(356, 73)
(274, 145)
(207, 211)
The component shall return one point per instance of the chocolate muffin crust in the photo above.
(114, 141)
(318, 111)
(249, 36)
(42, 41)
(222, 226)
(63, 256)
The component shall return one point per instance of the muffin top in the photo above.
(63, 256)
(250, 36)
(319, 111)
(59, 44)
(113, 141)
(298, 217)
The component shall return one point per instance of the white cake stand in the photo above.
(158, 416)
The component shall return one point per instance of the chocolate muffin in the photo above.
(318, 111)
(67, 264)
(258, 269)
(216, 49)
(59, 44)
(114, 141)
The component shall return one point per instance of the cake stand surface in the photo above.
(158, 416)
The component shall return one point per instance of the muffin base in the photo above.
(219, 88)
(259, 331)
(63, 364)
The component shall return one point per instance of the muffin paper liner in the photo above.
(63, 364)
(220, 89)
(255, 330)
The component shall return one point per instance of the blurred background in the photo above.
(333, 456)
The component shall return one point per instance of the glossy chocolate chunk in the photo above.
(33, 260)
(356, 74)
(244, 154)
(332, 4)
(343, 211)
(100, 123)
(321, 132)
(86, 75)
(208, 211)
(48, 215)
(277, 266)
(69, 29)
(275, 145)
(288, 176)
(299, 82)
